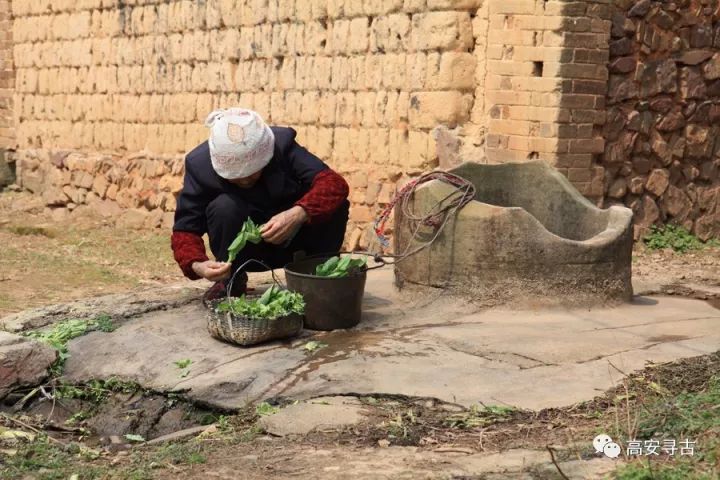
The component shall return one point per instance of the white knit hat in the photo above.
(240, 142)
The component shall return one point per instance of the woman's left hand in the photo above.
(279, 228)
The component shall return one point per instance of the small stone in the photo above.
(658, 77)
(671, 122)
(637, 185)
(698, 141)
(133, 219)
(54, 197)
(618, 188)
(647, 213)
(676, 203)
(701, 36)
(642, 165)
(695, 57)
(661, 104)
(107, 208)
(621, 47)
(708, 227)
(621, 88)
(640, 9)
(692, 84)
(660, 148)
(658, 181)
(23, 362)
(691, 172)
(711, 69)
(623, 65)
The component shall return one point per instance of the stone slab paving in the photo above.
(427, 346)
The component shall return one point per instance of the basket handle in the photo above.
(276, 281)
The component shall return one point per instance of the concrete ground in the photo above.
(429, 346)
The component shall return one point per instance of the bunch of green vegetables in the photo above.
(337, 267)
(250, 232)
(274, 303)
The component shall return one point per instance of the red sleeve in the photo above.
(188, 248)
(328, 191)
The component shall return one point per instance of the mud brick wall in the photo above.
(663, 132)
(110, 95)
(7, 79)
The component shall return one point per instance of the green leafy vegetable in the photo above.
(337, 267)
(274, 303)
(248, 233)
(134, 438)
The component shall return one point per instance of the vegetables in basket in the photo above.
(250, 232)
(274, 303)
(337, 267)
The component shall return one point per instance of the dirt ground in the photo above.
(45, 262)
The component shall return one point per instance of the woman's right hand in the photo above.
(211, 270)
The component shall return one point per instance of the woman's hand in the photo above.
(213, 271)
(282, 226)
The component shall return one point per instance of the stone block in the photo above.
(441, 30)
(23, 362)
(429, 109)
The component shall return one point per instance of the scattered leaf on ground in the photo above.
(313, 346)
(134, 438)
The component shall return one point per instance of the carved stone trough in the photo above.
(528, 234)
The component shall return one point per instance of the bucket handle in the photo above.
(276, 281)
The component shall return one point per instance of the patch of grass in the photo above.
(44, 460)
(646, 471)
(479, 416)
(688, 415)
(674, 237)
(684, 414)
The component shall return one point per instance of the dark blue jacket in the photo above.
(287, 177)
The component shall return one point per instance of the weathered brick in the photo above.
(428, 109)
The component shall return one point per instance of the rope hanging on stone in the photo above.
(436, 217)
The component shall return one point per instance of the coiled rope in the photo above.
(436, 217)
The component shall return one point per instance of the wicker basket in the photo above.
(245, 331)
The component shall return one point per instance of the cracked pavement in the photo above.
(430, 346)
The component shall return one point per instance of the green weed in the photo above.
(675, 237)
(264, 409)
(96, 391)
(62, 332)
(646, 471)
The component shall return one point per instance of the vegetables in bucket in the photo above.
(337, 267)
(274, 303)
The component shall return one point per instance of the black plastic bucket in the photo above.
(330, 303)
